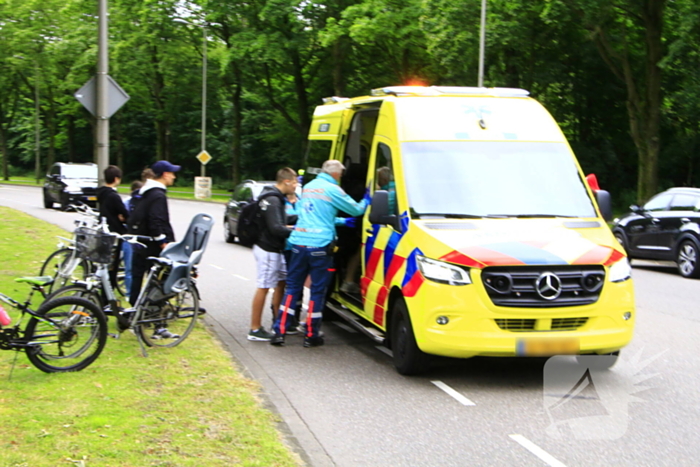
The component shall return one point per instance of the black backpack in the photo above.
(134, 200)
(139, 208)
(250, 221)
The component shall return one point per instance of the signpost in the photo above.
(116, 96)
(101, 95)
(202, 185)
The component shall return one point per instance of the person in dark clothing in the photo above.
(113, 210)
(268, 250)
(127, 250)
(151, 218)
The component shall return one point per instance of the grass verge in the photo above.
(185, 406)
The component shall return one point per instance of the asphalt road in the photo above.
(344, 404)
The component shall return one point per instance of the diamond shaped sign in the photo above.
(116, 96)
(204, 157)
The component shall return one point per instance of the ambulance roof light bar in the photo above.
(334, 99)
(439, 90)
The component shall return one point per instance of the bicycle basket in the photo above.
(94, 245)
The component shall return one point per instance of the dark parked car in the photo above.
(69, 183)
(666, 228)
(243, 194)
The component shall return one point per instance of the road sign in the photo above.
(116, 96)
(202, 187)
(204, 157)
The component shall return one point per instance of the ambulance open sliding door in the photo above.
(380, 241)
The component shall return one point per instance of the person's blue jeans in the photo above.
(318, 263)
(127, 253)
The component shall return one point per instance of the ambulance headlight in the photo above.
(620, 271)
(444, 273)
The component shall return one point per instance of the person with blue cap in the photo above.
(150, 217)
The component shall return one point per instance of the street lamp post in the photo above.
(204, 84)
(37, 125)
(102, 132)
(204, 93)
(482, 41)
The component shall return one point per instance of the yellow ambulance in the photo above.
(483, 237)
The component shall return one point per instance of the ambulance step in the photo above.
(375, 334)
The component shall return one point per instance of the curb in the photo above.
(297, 434)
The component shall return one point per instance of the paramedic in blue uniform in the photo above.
(312, 243)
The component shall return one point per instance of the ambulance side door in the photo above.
(379, 241)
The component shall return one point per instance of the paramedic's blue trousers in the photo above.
(318, 263)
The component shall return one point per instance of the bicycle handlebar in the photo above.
(133, 239)
(9, 300)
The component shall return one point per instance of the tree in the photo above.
(629, 38)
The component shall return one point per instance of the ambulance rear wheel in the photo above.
(408, 358)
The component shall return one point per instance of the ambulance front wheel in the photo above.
(408, 358)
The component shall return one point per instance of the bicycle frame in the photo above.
(9, 336)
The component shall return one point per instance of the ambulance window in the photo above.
(384, 176)
(356, 156)
(318, 152)
(360, 137)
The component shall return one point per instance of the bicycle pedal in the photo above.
(113, 335)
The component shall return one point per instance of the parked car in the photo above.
(666, 228)
(244, 193)
(69, 183)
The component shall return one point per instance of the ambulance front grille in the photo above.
(543, 286)
(568, 324)
(516, 324)
(526, 324)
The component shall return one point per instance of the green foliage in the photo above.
(185, 406)
(271, 61)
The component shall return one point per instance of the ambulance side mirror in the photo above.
(379, 213)
(604, 203)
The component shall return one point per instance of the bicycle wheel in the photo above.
(178, 315)
(65, 267)
(81, 291)
(68, 335)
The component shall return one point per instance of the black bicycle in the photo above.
(63, 334)
(169, 298)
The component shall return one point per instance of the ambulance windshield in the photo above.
(493, 179)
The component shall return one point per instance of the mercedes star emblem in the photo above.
(548, 286)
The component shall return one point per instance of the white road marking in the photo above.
(216, 267)
(345, 327)
(240, 277)
(459, 397)
(381, 348)
(536, 450)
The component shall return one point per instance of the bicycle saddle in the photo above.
(41, 281)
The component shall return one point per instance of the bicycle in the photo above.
(65, 265)
(169, 298)
(63, 334)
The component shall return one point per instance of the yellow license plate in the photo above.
(544, 347)
(92, 198)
